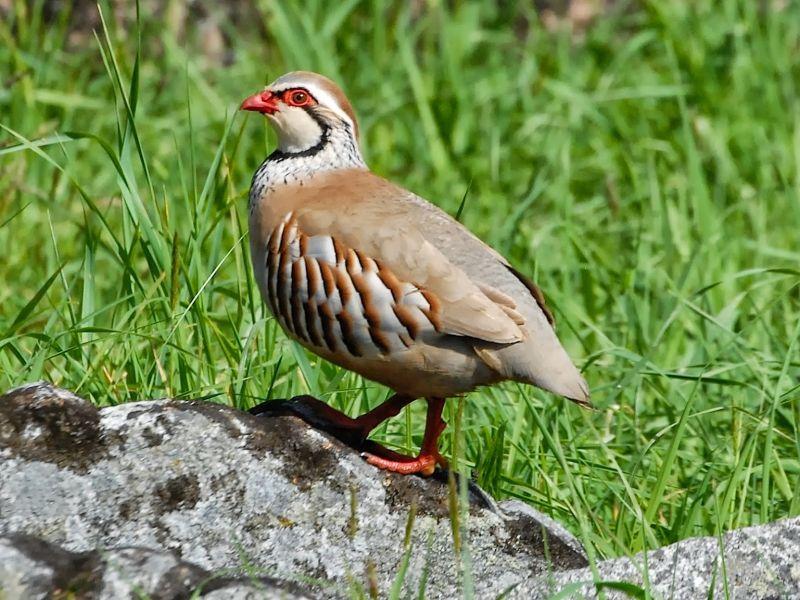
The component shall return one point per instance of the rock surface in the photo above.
(32, 568)
(760, 563)
(230, 492)
(178, 498)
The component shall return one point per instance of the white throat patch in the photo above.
(296, 129)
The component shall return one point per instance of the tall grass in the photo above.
(646, 174)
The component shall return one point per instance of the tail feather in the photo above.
(542, 362)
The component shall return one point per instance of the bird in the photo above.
(380, 281)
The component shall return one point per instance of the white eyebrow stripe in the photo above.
(329, 102)
(320, 95)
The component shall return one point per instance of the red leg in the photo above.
(391, 408)
(354, 432)
(429, 456)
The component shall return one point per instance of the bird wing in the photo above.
(368, 219)
(540, 359)
(480, 262)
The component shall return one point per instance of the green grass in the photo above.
(646, 174)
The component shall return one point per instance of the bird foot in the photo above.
(388, 460)
(352, 432)
(319, 416)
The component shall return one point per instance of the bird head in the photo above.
(307, 111)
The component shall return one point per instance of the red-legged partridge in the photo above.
(378, 280)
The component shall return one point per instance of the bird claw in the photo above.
(424, 464)
(388, 460)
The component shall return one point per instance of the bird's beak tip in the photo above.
(263, 102)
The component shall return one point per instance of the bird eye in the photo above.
(298, 98)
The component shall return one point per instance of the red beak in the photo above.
(264, 102)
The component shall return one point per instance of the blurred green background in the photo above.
(639, 159)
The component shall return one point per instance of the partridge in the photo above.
(377, 280)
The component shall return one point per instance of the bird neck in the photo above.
(336, 149)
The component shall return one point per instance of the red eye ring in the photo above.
(297, 98)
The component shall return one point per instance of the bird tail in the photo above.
(541, 362)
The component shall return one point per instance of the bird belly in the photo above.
(422, 370)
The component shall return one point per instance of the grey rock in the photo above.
(529, 528)
(177, 497)
(759, 563)
(156, 574)
(31, 568)
(229, 492)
